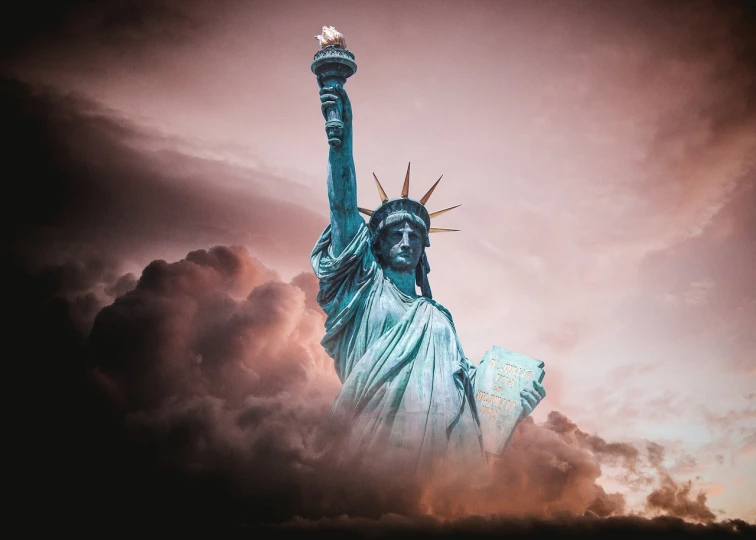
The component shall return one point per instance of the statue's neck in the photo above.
(404, 281)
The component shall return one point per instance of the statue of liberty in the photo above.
(407, 391)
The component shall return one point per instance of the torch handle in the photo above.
(334, 125)
(333, 64)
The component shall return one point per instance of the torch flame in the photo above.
(330, 36)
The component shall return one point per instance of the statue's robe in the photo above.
(407, 386)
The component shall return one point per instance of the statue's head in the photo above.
(400, 242)
(399, 230)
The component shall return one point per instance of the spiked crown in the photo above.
(404, 204)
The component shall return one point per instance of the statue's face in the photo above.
(401, 246)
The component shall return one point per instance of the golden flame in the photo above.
(330, 36)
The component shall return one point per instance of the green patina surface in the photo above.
(408, 388)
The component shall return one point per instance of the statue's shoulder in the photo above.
(442, 309)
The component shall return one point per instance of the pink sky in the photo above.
(603, 154)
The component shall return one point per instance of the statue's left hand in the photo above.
(531, 397)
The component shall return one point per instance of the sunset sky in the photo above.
(603, 154)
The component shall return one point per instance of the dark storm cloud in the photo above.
(27, 21)
(216, 364)
(76, 282)
(215, 320)
(87, 182)
(86, 197)
(200, 397)
(135, 24)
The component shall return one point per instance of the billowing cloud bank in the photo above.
(208, 391)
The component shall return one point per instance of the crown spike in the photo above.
(430, 191)
(440, 229)
(439, 212)
(365, 211)
(382, 193)
(405, 187)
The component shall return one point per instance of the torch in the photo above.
(332, 65)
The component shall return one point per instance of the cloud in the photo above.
(216, 320)
(132, 24)
(216, 364)
(100, 185)
(543, 473)
(675, 499)
(608, 452)
(200, 397)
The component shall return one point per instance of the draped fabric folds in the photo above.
(407, 386)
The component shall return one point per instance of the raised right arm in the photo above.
(342, 180)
